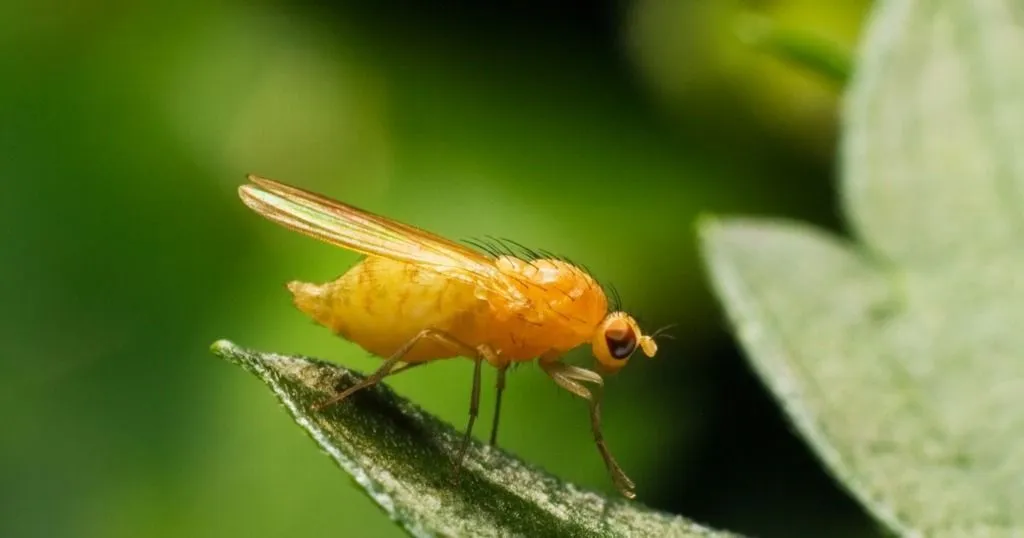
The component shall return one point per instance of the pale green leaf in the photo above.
(403, 459)
(901, 359)
(934, 167)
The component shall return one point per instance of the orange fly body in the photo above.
(417, 297)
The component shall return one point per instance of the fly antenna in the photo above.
(661, 332)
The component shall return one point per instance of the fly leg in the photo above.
(474, 408)
(404, 367)
(386, 368)
(480, 354)
(497, 404)
(571, 378)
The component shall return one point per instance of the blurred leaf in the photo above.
(401, 457)
(901, 362)
(797, 47)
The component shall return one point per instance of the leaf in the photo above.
(402, 458)
(797, 47)
(901, 359)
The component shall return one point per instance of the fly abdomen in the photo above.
(380, 304)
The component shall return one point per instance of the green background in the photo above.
(599, 130)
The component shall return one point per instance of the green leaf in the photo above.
(402, 458)
(901, 358)
(798, 47)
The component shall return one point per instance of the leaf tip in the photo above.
(226, 349)
(716, 229)
(705, 221)
(709, 226)
(724, 238)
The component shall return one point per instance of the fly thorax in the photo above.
(556, 292)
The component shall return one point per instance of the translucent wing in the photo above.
(361, 231)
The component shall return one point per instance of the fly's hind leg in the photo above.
(387, 368)
(479, 354)
(403, 368)
(570, 378)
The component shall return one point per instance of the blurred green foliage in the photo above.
(597, 130)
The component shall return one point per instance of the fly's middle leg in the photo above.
(500, 386)
(480, 354)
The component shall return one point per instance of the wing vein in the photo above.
(361, 231)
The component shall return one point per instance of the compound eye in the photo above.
(621, 340)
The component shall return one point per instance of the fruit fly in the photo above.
(416, 297)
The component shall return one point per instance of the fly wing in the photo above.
(361, 231)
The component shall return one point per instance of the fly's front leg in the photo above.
(571, 378)
(396, 357)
